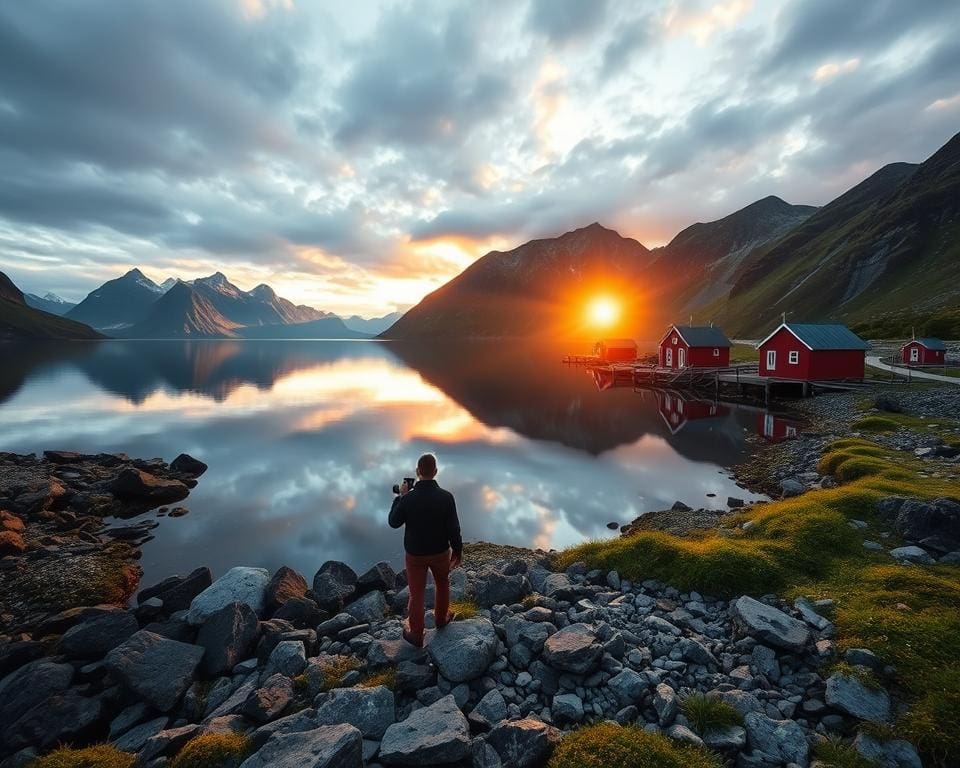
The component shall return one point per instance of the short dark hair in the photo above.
(427, 466)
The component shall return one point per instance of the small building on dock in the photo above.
(617, 350)
(694, 346)
(924, 351)
(812, 352)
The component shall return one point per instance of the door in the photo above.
(681, 357)
(669, 357)
(914, 354)
(771, 359)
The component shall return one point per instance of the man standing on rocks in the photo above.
(432, 542)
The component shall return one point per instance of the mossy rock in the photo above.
(606, 745)
(99, 756)
(213, 750)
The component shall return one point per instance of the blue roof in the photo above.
(931, 343)
(826, 336)
(703, 336)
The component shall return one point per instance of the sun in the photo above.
(603, 311)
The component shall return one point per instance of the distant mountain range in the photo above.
(49, 302)
(18, 320)
(372, 326)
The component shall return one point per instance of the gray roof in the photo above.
(827, 336)
(931, 343)
(703, 336)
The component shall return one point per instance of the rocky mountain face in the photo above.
(49, 302)
(18, 320)
(260, 306)
(182, 312)
(532, 290)
(118, 303)
(372, 326)
(329, 327)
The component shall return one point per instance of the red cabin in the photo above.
(812, 352)
(676, 411)
(617, 350)
(927, 351)
(691, 346)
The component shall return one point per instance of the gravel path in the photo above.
(875, 362)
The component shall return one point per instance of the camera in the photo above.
(408, 480)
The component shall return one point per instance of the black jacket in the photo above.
(430, 514)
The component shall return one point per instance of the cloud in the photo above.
(564, 20)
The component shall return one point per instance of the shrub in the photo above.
(465, 608)
(213, 750)
(875, 424)
(834, 753)
(611, 746)
(99, 756)
(708, 714)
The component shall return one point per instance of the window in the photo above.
(674, 341)
(771, 359)
(794, 357)
(716, 352)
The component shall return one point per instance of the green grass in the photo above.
(607, 746)
(98, 756)
(908, 615)
(875, 424)
(213, 750)
(744, 353)
(834, 753)
(386, 677)
(708, 714)
(465, 609)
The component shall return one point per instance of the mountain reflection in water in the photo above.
(305, 438)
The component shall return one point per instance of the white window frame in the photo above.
(716, 352)
(794, 358)
(681, 358)
(674, 341)
(771, 359)
(914, 354)
(668, 361)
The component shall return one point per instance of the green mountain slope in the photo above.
(19, 321)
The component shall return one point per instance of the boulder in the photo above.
(887, 404)
(289, 658)
(156, 668)
(729, 738)
(628, 686)
(783, 740)
(15, 654)
(98, 635)
(177, 592)
(567, 709)
(241, 584)
(493, 588)
(137, 484)
(489, 711)
(188, 465)
(742, 701)
(134, 739)
(666, 704)
(849, 695)
(380, 577)
(916, 520)
(770, 625)
(329, 746)
(523, 743)
(167, 742)
(285, 584)
(63, 717)
(267, 702)
(895, 753)
(12, 543)
(30, 685)
(369, 608)
(432, 735)
(227, 637)
(301, 612)
(464, 650)
(912, 554)
(791, 487)
(334, 585)
(574, 648)
(298, 722)
(371, 710)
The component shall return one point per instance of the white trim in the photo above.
(682, 357)
(779, 328)
(771, 359)
(794, 357)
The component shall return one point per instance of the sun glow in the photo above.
(603, 311)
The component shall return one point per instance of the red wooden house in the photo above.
(924, 352)
(676, 410)
(617, 350)
(692, 346)
(812, 352)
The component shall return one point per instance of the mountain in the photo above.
(537, 289)
(701, 262)
(260, 306)
(888, 248)
(372, 326)
(118, 303)
(18, 320)
(182, 313)
(167, 284)
(49, 302)
(324, 328)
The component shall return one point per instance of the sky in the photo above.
(355, 156)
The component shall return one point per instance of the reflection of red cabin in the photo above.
(690, 346)
(924, 352)
(776, 428)
(676, 410)
(812, 352)
(617, 350)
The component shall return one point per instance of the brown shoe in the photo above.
(451, 617)
(412, 640)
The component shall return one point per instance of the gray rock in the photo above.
(63, 717)
(156, 668)
(912, 554)
(329, 746)
(493, 588)
(683, 734)
(863, 657)
(523, 743)
(238, 585)
(30, 685)
(267, 702)
(289, 658)
(381, 577)
(791, 487)
(298, 722)
(369, 608)
(696, 652)
(896, 753)
(284, 585)
(783, 740)
(227, 637)
(167, 742)
(484, 756)
(134, 739)
(849, 695)
(628, 686)
(567, 709)
(810, 616)
(371, 710)
(98, 635)
(137, 484)
(129, 717)
(742, 701)
(770, 625)
(490, 710)
(177, 592)
(731, 738)
(574, 648)
(432, 735)
(916, 520)
(666, 704)
(464, 650)
(334, 585)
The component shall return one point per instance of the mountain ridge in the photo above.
(18, 320)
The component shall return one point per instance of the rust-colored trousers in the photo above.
(417, 567)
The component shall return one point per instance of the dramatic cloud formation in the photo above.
(357, 155)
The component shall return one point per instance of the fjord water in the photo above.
(305, 439)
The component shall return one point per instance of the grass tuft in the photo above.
(835, 753)
(708, 714)
(605, 745)
(466, 609)
(875, 424)
(214, 750)
(386, 677)
(98, 756)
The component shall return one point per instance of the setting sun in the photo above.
(603, 311)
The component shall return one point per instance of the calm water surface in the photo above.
(305, 439)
